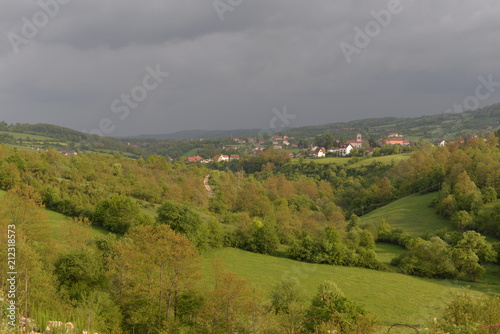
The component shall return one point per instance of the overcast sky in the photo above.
(230, 62)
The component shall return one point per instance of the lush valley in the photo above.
(119, 238)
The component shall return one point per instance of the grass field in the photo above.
(26, 135)
(25, 148)
(191, 153)
(411, 213)
(387, 159)
(386, 295)
(386, 252)
(60, 226)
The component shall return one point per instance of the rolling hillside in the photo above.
(431, 128)
(411, 213)
(440, 126)
(48, 136)
(388, 159)
(383, 294)
(59, 227)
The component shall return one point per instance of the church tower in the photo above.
(359, 138)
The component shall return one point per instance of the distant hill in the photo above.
(435, 127)
(41, 136)
(441, 126)
(199, 134)
(183, 143)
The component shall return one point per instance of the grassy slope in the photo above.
(17, 135)
(411, 213)
(60, 225)
(386, 295)
(386, 252)
(343, 161)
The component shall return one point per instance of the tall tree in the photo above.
(231, 306)
(153, 267)
(285, 292)
(331, 309)
(184, 220)
(118, 214)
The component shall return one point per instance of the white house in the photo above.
(319, 152)
(343, 150)
(221, 157)
(441, 143)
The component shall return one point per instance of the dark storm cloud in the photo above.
(232, 73)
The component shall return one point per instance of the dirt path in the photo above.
(207, 186)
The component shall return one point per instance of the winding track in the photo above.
(207, 186)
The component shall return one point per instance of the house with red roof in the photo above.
(194, 159)
(319, 152)
(397, 141)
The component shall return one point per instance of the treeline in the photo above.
(358, 189)
(469, 177)
(174, 148)
(449, 256)
(75, 185)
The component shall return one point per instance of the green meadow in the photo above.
(26, 136)
(391, 297)
(386, 159)
(411, 213)
(59, 226)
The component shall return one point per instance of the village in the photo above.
(289, 144)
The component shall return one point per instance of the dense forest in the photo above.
(141, 274)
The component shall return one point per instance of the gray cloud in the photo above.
(231, 73)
